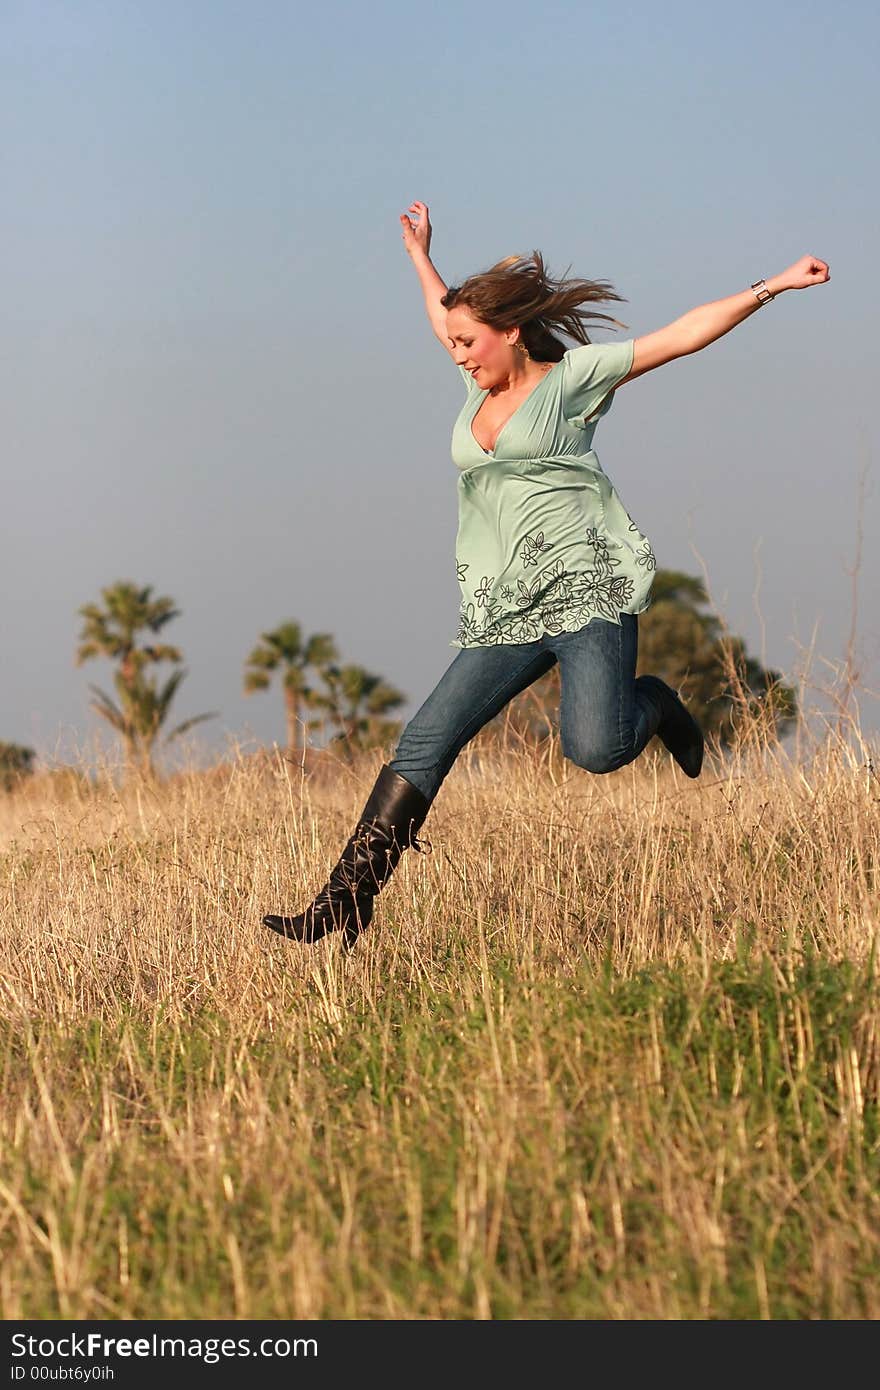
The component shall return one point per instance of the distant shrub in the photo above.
(16, 762)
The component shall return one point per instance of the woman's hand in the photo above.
(417, 240)
(809, 270)
(416, 235)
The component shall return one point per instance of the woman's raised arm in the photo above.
(417, 240)
(705, 324)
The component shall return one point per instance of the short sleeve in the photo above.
(590, 374)
(470, 385)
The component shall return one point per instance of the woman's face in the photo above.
(483, 351)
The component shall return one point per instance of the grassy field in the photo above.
(611, 1050)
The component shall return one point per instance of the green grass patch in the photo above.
(692, 1141)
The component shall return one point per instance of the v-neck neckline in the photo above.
(490, 453)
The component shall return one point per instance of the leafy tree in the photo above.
(356, 702)
(142, 705)
(16, 762)
(285, 650)
(684, 644)
(724, 685)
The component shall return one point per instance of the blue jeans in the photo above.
(606, 717)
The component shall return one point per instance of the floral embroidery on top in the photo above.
(528, 596)
(482, 594)
(532, 548)
(524, 513)
(646, 557)
(554, 600)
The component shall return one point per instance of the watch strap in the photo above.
(762, 294)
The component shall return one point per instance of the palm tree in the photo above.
(285, 649)
(143, 706)
(355, 701)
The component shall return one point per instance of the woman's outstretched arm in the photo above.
(709, 322)
(417, 240)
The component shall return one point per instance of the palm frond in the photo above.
(189, 724)
(320, 650)
(264, 658)
(162, 653)
(285, 640)
(104, 706)
(295, 681)
(164, 697)
(255, 680)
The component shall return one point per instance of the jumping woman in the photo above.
(551, 565)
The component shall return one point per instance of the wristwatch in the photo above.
(762, 294)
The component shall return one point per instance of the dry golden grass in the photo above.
(610, 1050)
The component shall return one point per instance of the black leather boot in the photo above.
(388, 825)
(678, 729)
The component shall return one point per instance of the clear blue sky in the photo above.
(217, 377)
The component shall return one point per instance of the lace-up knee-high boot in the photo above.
(678, 729)
(388, 825)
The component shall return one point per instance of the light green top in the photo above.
(544, 543)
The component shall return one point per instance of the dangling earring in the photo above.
(521, 347)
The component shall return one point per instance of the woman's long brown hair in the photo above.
(518, 292)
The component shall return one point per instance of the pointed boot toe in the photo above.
(351, 917)
(678, 731)
(388, 825)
